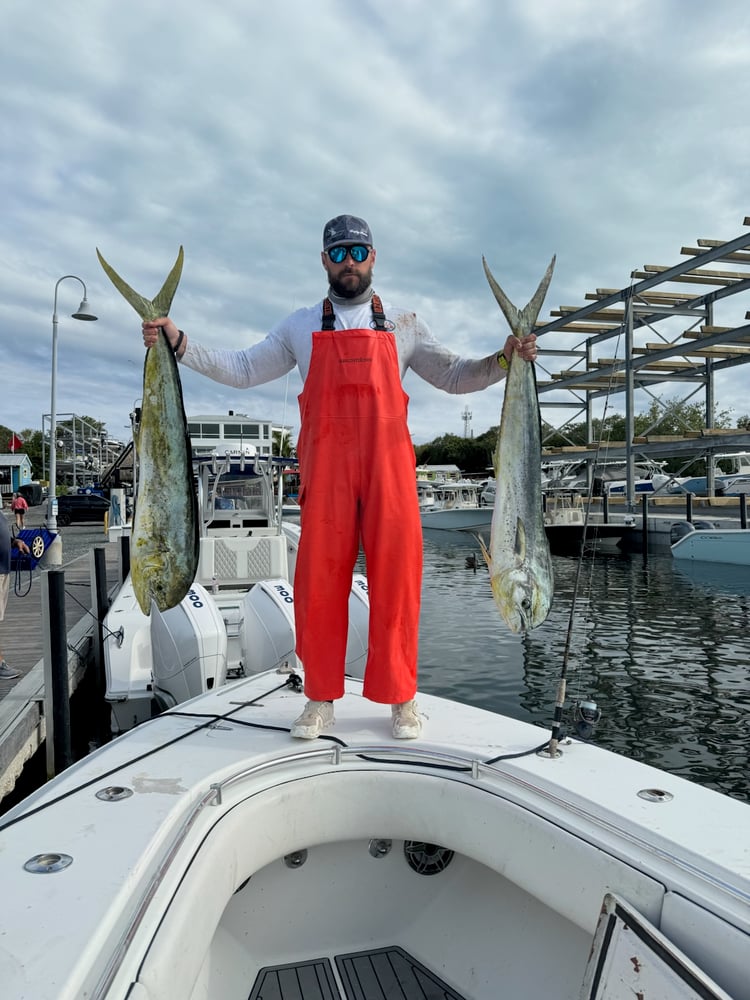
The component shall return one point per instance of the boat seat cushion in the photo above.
(242, 561)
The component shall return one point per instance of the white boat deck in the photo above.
(220, 777)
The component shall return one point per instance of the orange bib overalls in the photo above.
(358, 482)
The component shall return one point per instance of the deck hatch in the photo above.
(313, 980)
(380, 974)
(390, 972)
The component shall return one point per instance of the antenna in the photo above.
(466, 415)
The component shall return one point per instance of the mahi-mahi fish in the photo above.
(518, 557)
(165, 536)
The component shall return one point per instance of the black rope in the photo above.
(88, 611)
(210, 721)
(17, 576)
(293, 682)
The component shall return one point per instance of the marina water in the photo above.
(664, 651)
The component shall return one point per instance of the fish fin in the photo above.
(521, 321)
(163, 301)
(485, 550)
(142, 306)
(519, 545)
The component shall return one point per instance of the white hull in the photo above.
(208, 850)
(452, 505)
(458, 518)
(730, 546)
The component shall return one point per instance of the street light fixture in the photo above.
(83, 312)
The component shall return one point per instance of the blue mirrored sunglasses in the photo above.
(358, 252)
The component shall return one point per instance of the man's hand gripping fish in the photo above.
(519, 558)
(165, 537)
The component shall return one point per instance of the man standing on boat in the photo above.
(357, 465)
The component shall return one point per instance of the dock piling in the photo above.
(56, 686)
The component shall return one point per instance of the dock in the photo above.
(22, 717)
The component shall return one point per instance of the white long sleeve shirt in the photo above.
(290, 344)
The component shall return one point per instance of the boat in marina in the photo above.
(708, 543)
(568, 527)
(206, 853)
(610, 479)
(731, 476)
(452, 505)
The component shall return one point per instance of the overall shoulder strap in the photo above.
(329, 317)
(377, 312)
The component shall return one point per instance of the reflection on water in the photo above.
(664, 651)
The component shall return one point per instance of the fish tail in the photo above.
(147, 308)
(521, 321)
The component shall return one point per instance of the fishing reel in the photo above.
(586, 715)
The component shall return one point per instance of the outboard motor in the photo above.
(189, 648)
(680, 530)
(267, 636)
(267, 631)
(359, 627)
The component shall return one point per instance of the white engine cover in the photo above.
(267, 630)
(189, 648)
(359, 623)
(267, 636)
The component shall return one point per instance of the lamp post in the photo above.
(83, 312)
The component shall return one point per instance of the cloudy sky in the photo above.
(611, 134)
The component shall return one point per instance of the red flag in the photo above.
(15, 442)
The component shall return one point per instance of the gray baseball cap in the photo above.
(346, 229)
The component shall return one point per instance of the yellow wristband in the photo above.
(502, 361)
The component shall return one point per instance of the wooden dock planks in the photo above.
(22, 700)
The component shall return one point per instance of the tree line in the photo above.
(474, 456)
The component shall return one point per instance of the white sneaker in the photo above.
(407, 724)
(316, 716)
(6, 673)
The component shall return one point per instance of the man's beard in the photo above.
(351, 290)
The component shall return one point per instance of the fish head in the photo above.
(523, 603)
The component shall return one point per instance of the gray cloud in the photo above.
(609, 134)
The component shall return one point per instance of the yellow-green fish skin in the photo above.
(519, 560)
(165, 535)
(164, 542)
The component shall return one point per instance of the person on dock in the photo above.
(19, 507)
(356, 464)
(6, 543)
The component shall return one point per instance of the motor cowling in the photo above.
(189, 648)
(683, 528)
(680, 530)
(267, 630)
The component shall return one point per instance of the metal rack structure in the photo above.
(687, 348)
